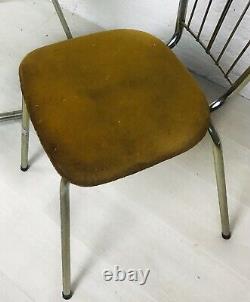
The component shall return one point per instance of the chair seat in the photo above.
(110, 104)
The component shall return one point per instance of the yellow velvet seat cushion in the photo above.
(110, 104)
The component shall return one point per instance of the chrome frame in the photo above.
(182, 23)
(65, 204)
(179, 27)
(62, 19)
(64, 185)
(65, 238)
(25, 137)
(10, 115)
(217, 147)
(221, 182)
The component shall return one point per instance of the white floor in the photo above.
(165, 218)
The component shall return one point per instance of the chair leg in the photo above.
(65, 238)
(25, 137)
(221, 184)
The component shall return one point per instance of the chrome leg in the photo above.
(221, 184)
(25, 138)
(11, 115)
(65, 238)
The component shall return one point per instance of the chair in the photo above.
(113, 103)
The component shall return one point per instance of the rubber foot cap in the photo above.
(226, 237)
(67, 297)
(24, 169)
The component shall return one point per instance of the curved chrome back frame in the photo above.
(183, 22)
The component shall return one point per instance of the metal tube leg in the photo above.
(25, 138)
(65, 238)
(221, 184)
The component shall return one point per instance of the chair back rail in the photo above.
(185, 21)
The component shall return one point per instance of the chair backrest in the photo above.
(190, 10)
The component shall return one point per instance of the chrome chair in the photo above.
(184, 129)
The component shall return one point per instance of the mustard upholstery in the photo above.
(110, 104)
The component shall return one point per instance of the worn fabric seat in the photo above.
(110, 104)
